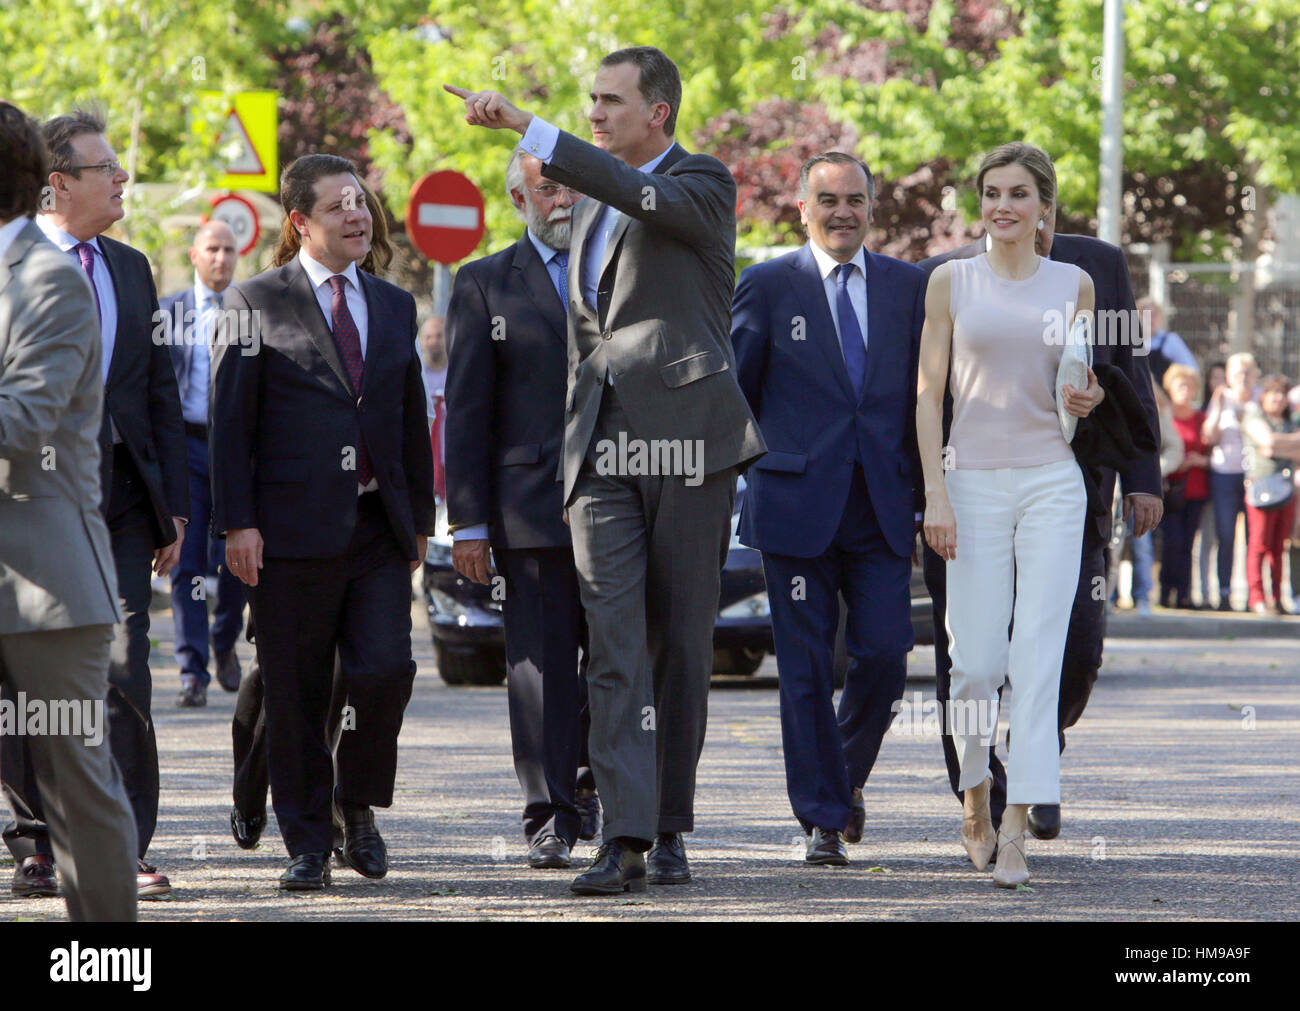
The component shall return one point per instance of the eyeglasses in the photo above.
(550, 190)
(109, 168)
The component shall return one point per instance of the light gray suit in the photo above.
(649, 548)
(58, 588)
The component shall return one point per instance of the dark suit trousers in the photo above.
(826, 754)
(1079, 668)
(547, 695)
(305, 609)
(130, 688)
(248, 735)
(649, 552)
(203, 555)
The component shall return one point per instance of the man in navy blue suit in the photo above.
(192, 313)
(826, 342)
(1143, 506)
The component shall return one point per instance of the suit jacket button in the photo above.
(606, 336)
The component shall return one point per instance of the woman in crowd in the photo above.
(1186, 489)
(1215, 376)
(1272, 447)
(1222, 432)
(1006, 500)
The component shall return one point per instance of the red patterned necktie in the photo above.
(439, 468)
(348, 340)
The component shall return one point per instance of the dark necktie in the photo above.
(855, 352)
(562, 261)
(86, 254)
(348, 340)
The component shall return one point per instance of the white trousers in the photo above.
(1019, 538)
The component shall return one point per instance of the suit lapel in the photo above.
(877, 316)
(188, 349)
(537, 283)
(379, 322)
(674, 154)
(580, 233)
(115, 273)
(302, 300)
(811, 293)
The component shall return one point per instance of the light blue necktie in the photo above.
(561, 260)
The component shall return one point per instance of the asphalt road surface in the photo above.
(1181, 801)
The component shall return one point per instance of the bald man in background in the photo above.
(192, 315)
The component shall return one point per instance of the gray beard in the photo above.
(554, 234)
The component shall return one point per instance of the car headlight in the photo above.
(755, 606)
(445, 603)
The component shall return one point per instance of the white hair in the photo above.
(515, 179)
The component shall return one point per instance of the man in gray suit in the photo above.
(656, 430)
(58, 588)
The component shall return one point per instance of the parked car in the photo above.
(469, 639)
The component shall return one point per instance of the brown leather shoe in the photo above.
(149, 883)
(34, 878)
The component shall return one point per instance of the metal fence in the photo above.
(1200, 302)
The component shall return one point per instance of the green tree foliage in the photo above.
(543, 55)
(1210, 97)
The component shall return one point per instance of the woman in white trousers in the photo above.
(1005, 498)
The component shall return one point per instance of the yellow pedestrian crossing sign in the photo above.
(246, 140)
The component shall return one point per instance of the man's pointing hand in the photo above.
(491, 109)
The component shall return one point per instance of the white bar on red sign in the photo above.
(447, 216)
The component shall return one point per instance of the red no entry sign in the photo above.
(444, 217)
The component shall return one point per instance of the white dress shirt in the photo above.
(102, 280)
(857, 285)
(319, 275)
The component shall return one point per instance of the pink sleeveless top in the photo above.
(1006, 346)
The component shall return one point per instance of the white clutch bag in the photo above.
(1076, 360)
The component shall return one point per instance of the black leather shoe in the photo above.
(308, 872)
(858, 819)
(666, 864)
(192, 696)
(247, 831)
(34, 878)
(588, 805)
(826, 847)
(1044, 820)
(363, 847)
(615, 870)
(548, 851)
(228, 673)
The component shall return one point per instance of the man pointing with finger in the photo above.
(651, 378)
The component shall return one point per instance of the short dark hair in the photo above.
(659, 81)
(299, 178)
(834, 158)
(24, 163)
(61, 131)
